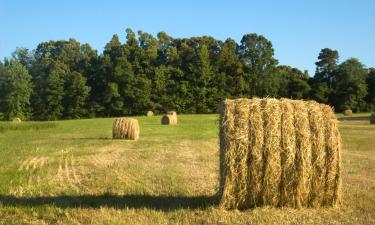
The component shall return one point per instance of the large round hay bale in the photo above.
(348, 112)
(125, 128)
(372, 118)
(169, 120)
(16, 120)
(150, 113)
(279, 153)
(172, 113)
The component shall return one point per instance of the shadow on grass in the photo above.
(163, 203)
(354, 118)
(89, 138)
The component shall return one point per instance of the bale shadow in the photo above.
(354, 118)
(162, 203)
(89, 138)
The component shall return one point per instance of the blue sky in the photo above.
(297, 29)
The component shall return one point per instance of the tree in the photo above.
(370, 98)
(326, 66)
(230, 78)
(257, 52)
(350, 85)
(201, 82)
(15, 91)
(292, 83)
(75, 96)
(49, 90)
(323, 81)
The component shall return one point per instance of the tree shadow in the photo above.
(354, 118)
(163, 203)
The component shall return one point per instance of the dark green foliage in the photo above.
(188, 75)
(350, 85)
(15, 90)
(324, 79)
(370, 98)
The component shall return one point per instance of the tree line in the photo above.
(67, 79)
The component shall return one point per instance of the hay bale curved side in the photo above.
(16, 120)
(169, 120)
(150, 113)
(125, 128)
(372, 118)
(278, 153)
(348, 112)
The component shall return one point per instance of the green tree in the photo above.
(15, 90)
(75, 96)
(370, 98)
(230, 78)
(292, 83)
(201, 82)
(324, 79)
(49, 90)
(257, 52)
(350, 85)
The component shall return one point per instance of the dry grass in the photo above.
(279, 153)
(169, 176)
(125, 128)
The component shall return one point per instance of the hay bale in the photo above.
(150, 113)
(348, 112)
(16, 120)
(125, 128)
(372, 118)
(172, 113)
(278, 153)
(169, 120)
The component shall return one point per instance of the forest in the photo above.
(69, 80)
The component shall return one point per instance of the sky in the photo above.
(297, 29)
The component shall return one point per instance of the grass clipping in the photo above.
(281, 153)
(125, 128)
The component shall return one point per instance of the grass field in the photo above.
(72, 172)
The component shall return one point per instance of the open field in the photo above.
(72, 172)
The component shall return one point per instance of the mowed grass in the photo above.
(72, 172)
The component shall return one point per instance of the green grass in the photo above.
(72, 172)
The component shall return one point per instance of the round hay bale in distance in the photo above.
(16, 120)
(125, 128)
(348, 112)
(372, 118)
(169, 120)
(280, 153)
(150, 113)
